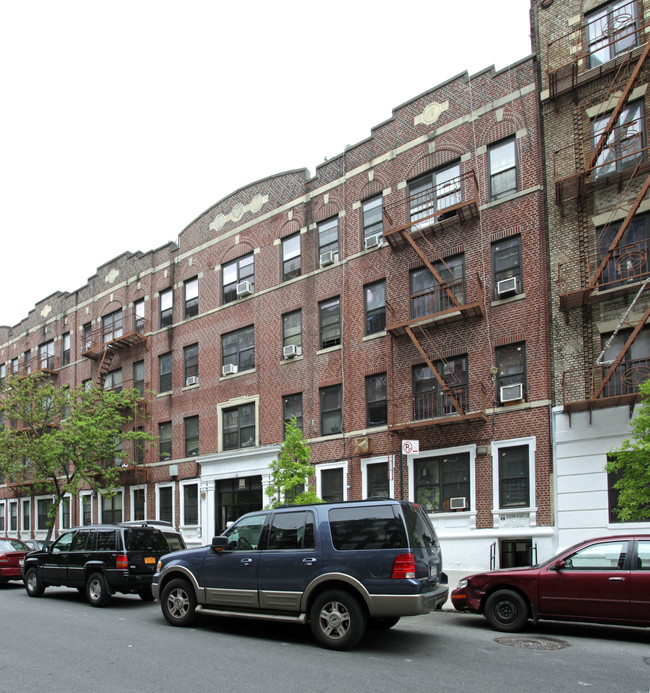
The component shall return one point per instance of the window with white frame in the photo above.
(331, 481)
(13, 516)
(65, 515)
(503, 168)
(138, 316)
(292, 330)
(331, 410)
(43, 506)
(237, 272)
(239, 426)
(112, 508)
(513, 471)
(165, 503)
(433, 193)
(328, 238)
(112, 326)
(375, 479)
(625, 144)
(292, 409)
(86, 508)
(372, 218)
(291, 265)
(329, 321)
(191, 297)
(3, 517)
(506, 265)
(138, 503)
(46, 355)
(611, 30)
(375, 307)
(191, 363)
(238, 349)
(166, 307)
(65, 349)
(26, 514)
(443, 482)
(190, 504)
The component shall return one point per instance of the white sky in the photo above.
(123, 121)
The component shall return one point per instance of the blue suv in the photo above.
(341, 567)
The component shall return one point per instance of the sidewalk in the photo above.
(454, 576)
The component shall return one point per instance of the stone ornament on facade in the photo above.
(431, 113)
(238, 212)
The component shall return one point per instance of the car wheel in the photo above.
(96, 590)
(337, 620)
(178, 602)
(506, 610)
(146, 594)
(385, 623)
(33, 583)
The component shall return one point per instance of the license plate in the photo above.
(149, 559)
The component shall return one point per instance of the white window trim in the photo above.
(366, 462)
(12, 504)
(101, 497)
(3, 514)
(81, 507)
(332, 465)
(531, 442)
(132, 504)
(183, 484)
(25, 502)
(67, 497)
(237, 403)
(172, 486)
(36, 500)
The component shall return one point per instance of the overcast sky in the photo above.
(122, 121)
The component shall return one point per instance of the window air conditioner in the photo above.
(191, 380)
(291, 350)
(244, 289)
(507, 286)
(327, 258)
(512, 393)
(374, 241)
(229, 369)
(459, 503)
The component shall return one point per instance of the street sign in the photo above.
(411, 447)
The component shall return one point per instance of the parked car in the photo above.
(603, 580)
(174, 538)
(36, 544)
(12, 555)
(98, 560)
(341, 567)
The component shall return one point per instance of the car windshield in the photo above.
(145, 540)
(9, 545)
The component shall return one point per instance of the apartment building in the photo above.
(594, 76)
(399, 294)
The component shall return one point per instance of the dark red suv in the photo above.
(604, 580)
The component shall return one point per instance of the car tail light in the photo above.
(122, 561)
(404, 566)
(4, 559)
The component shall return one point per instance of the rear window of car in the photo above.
(421, 533)
(9, 546)
(367, 528)
(145, 540)
(174, 542)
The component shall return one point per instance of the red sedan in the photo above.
(12, 556)
(604, 580)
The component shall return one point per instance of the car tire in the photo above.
(506, 610)
(33, 584)
(384, 623)
(146, 594)
(97, 591)
(337, 620)
(178, 602)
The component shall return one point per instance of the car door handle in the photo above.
(617, 579)
(246, 561)
(308, 561)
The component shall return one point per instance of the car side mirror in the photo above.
(558, 566)
(219, 544)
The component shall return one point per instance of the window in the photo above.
(633, 368)
(238, 349)
(13, 516)
(3, 374)
(46, 355)
(191, 361)
(191, 297)
(601, 556)
(27, 360)
(26, 515)
(112, 326)
(86, 509)
(511, 372)
(377, 480)
(114, 381)
(165, 440)
(329, 317)
(86, 337)
(43, 506)
(629, 261)
(372, 218)
(292, 330)
(503, 168)
(293, 530)
(328, 238)
(138, 316)
(245, 535)
(165, 372)
(611, 30)
(376, 400)
(506, 264)
(166, 503)
(292, 408)
(239, 427)
(432, 194)
(65, 513)
(191, 436)
(514, 484)
(14, 366)
(331, 410)
(138, 376)
(330, 483)
(439, 479)
(428, 296)
(166, 307)
(138, 448)
(65, 352)
(191, 504)
(235, 272)
(430, 401)
(3, 510)
(291, 257)
(138, 497)
(625, 144)
(375, 307)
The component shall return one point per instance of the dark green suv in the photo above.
(99, 560)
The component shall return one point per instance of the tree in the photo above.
(291, 470)
(632, 462)
(60, 439)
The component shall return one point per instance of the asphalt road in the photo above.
(60, 643)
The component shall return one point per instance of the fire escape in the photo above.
(608, 45)
(101, 346)
(411, 224)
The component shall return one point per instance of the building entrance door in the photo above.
(235, 497)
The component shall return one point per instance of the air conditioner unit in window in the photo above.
(512, 393)
(291, 351)
(459, 503)
(229, 369)
(373, 241)
(327, 258)
(244, 289)
(191, 380)
(507, 286)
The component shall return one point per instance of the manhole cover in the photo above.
(532, 643)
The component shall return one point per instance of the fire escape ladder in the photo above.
(441, 381)
(613, 119)
(104, 366)
(617, 361)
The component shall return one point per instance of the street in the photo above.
(60, 643)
